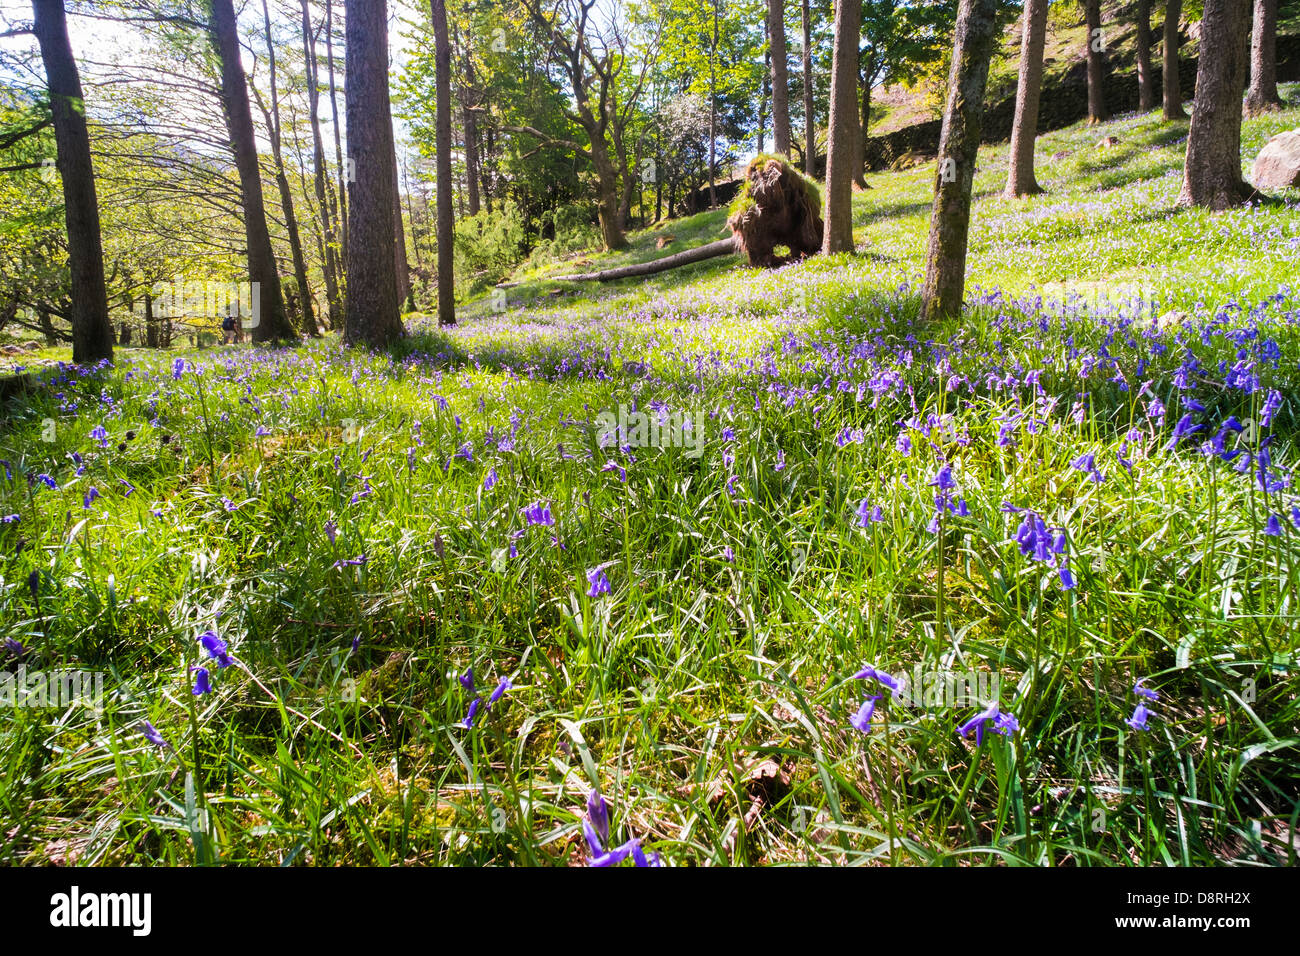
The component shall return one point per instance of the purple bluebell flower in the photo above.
(216, 648)
(862, 719)
(1273, 527)
(1182, 430)
(868, 514)
(474, 705)
(595, 842)
(356, 643)
(640, 858)
(151, 734)
(1003, 723)
(539, 513)
(490, 481)
(502, 686)
(1140, 717)
(943, 480)
(1088, 463)
(869, 672)
(615, 856)
(614, 466)
(202, 682)
(1141, 690)
(467, 679)
(598, 581)
(14, 647)
(91, 494)
(598, 815)
(331, 531)
(1272, 403)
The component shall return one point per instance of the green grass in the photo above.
(709, 693)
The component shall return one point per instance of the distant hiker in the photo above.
(229, 330)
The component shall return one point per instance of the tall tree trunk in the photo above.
(841, 147)
(780, 78)
(307, 314)
(1146, 79)
(372, 316)
(489, 142)
(331, 261)
(863, 124)
(401, 266)
(713, 111)
(152, 331)
(468, 105)
(607, 193)
(762, 99)
(271, 323)
(47, 328)
(809, 102)
(338, 145)
(1096, 52)
(1262, 96)
(410, 214)
(442, 86)
(92, 333)
(1021, 180)
(1212, 170)
(1169, 79)
(945, 261)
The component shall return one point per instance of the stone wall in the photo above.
(1063, 104)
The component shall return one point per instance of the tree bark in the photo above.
(442, 89)
(809, 101)
(1212, 170)
(468, 106)
(1146, 79)
(1170, 81)
(271, 323)
(713, 112)
(402, 268)
(1096, 52)
(780, 78)
(945, 263)
(863, 123)
(842, 146)
(1021, 180)
(372, 316)
(338, 146)
(762, 97)
(92, 333)
(307, 313)
(1262, 96)
(152, 330)
(331, 261)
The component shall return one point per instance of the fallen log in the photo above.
(723, 247)
(775, 220)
